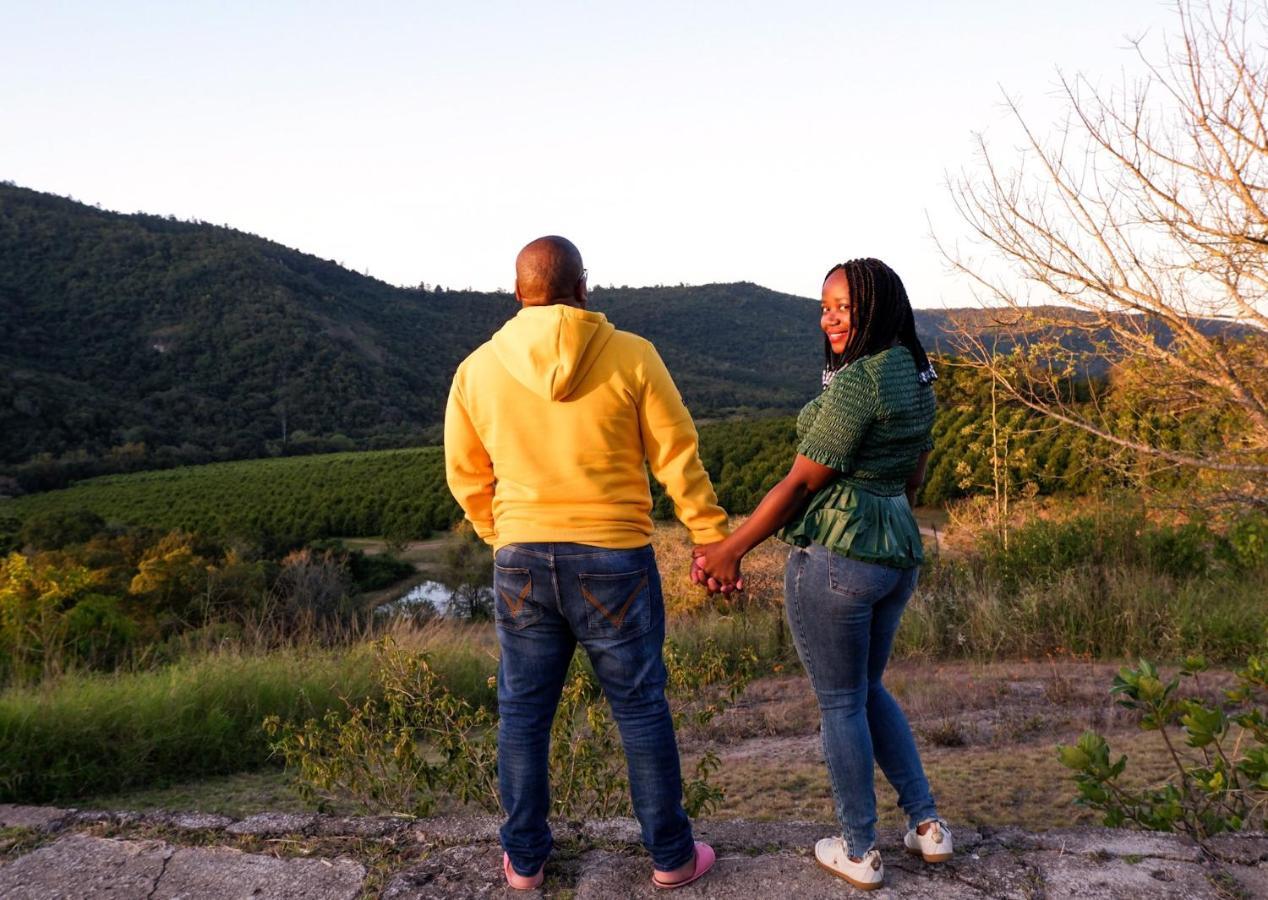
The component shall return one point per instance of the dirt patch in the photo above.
(987, 735)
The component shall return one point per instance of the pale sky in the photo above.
(673, 141)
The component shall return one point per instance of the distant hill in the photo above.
(204, 342)
(132, 341)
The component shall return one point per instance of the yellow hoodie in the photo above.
(547, 428)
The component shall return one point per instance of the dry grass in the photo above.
(1023, 786)
(243, 794)
(987, 735)
(763, 573)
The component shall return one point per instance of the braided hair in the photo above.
(880, 314)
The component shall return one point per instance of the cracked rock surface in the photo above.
(80, 866)
(67, 854)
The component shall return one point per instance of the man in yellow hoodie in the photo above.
(548, 429)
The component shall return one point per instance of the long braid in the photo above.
(907, 337)
(880, 314)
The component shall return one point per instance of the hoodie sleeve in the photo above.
(468, 468)
(669, 437)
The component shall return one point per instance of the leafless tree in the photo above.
(1137, 235)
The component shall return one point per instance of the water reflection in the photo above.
(431, 598)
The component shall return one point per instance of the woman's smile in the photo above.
(834, 311)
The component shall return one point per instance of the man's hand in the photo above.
(716, 566)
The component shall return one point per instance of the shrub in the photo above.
(372, 573)
(99, 633)
(1182, 551)
(312, 589)
(34, 596)
(60, 528)
(416, 741)
(10, 529)
(1248, 541)
(1223, 787)
(396, 752)
(467, 567)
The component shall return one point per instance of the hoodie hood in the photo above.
(549, 349)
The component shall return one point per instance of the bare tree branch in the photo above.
(1125, 238)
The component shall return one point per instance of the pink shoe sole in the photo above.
(517, 882)
(705, 858)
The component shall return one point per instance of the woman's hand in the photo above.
(717, 567)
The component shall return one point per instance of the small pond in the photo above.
(426, 599)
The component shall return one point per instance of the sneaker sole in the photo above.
(929, 858)
(861, 885)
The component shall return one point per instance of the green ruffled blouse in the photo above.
(871, 425)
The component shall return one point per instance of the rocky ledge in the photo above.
(59, 854)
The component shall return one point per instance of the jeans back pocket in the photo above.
(619, 603)
(859, 580)
(513, 604)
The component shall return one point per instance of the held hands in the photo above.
(717, 567)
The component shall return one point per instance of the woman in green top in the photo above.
(846, 508)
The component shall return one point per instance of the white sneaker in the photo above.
(934, 846)
(867, 874)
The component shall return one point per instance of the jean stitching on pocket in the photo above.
(518, 603)
(617, 619)
(515, 604)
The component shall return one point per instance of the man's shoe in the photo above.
(867, 874)
(702, 862)
(934, 846)
(517, 882)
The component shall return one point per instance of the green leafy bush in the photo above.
(10, 529)
(99, 633)
(415, 742)
(398, 752)
(373, 573)
(59, 527)
(1248, 541)
(1223, 786)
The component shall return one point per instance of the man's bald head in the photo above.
(549, 270)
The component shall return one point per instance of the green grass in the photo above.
(1116, 614)
(85, 734)
(1106, 587)
(241, 794)
(760, 627)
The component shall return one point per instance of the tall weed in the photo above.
(1106, 584)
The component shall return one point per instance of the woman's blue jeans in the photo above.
(843, 615)
(547, 599)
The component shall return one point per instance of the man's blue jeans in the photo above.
(547, 599)
(843, 615)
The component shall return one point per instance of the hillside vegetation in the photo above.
(135, 342)
(402, 493)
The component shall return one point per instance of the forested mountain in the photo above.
(201, 342)
(135, 341)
